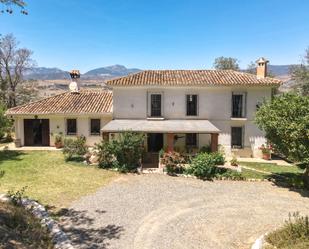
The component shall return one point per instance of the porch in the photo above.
(171, 135)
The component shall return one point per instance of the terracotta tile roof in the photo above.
(86, 101)
(191, 78)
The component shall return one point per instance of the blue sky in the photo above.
(159, 34)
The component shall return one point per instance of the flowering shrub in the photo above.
(173, 162)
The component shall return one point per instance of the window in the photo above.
(155, 105)
(71, 127)
(95, 126)
(191, 105)
(191, 140)
(237, 137)
(238, 105)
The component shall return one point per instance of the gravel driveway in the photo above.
(158, 211)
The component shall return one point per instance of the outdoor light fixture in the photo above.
(35, 116)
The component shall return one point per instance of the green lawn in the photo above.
(250, 174)
(49, 179)
(291, 175)
(272, 168)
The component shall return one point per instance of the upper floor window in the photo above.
(238, 105)
(155, 105)
(95, 126)
(71, 127)
(191, 105)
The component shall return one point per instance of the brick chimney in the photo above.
(75, 75)
(261, 70)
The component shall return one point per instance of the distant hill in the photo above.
(109, 72)
(44, 73)
(280, 70)
(102, 73)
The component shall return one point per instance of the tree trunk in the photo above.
(306, 177)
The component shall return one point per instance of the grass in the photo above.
(19, 229)
(250, 174)
(49, 178)
(290, 175)
(272, 168)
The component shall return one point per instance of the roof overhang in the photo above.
(160, 126)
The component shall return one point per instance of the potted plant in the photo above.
(58, 141)
(266, 151)
(234, 161)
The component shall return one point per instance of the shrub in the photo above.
(202, 166)
(218, 158)
(229, 174)
(74, 148)
(17, 196)
(173, 162)
(205, 148)
(123, 153)
(106, 155)
(294, 234)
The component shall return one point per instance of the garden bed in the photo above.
(19, 229)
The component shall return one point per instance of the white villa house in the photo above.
(178, 110)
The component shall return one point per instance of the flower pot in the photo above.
(58, 145)
(17, 143)
(266, 156)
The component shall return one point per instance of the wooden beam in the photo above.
(214, 142)
(170, 142)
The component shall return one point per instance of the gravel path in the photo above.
(158, 212)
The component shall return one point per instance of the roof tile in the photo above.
(85, 101)
(192, 78)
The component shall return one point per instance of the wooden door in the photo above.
(28, 132)
(45, 132)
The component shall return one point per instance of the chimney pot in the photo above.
(261, 70)
(74, 86)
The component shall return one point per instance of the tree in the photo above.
(285, 121)
(9, 3)
(5, 123)
(226, 63)
(13, 63)
(300, 74)
(251, 68)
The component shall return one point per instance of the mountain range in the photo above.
(104, 73)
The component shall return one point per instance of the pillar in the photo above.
(105, 136)
(170, 142)
(214, 142)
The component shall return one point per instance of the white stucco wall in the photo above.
(57, 125)
(214, 104)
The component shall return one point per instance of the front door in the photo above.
(36, 132)
(155, 142)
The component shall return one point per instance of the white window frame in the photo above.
(149, 93)
(92, 134)
(197, 104)
(244, 104)
(66, 127)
